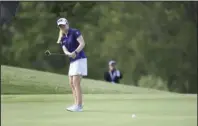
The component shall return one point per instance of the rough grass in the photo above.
(24, 81)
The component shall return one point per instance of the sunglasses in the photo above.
(61, 26)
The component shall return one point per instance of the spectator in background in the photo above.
(113, 75)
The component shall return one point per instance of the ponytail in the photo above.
(59, 37)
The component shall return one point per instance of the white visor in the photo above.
(62, 21)
(112, 62)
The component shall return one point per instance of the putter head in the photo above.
(47, 52)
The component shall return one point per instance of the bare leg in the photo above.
(76, 82)
(73, 89)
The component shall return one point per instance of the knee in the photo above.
(71, 84)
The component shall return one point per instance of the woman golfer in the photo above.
(72, 43)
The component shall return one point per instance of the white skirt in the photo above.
(78, 67)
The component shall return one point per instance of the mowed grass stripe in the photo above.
(116, 97)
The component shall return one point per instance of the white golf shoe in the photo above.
(75, 108)
(70, 107)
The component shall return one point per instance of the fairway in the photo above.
(24, 104)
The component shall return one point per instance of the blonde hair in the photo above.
(59, 36)
(61, 33)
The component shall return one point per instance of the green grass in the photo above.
(34, 98)
(24, 81)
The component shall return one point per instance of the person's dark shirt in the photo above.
(113, 76)
(71, 43)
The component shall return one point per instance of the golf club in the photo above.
(48, 53)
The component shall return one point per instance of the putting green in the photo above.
(100, 109)
(34, 98)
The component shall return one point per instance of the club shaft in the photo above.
(58, 54)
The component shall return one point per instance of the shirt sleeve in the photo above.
(77, 33)
(61, 43)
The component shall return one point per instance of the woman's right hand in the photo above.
(70, 55)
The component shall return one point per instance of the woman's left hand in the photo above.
(73, 55)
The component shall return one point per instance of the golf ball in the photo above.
(133, 116)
